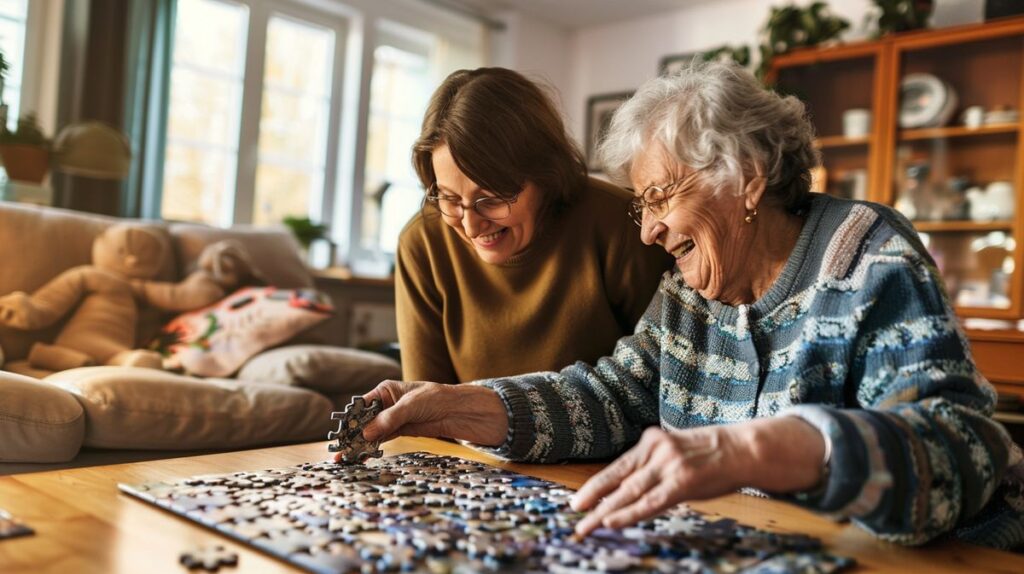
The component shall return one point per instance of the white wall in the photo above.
(619, 57)
(539, 49)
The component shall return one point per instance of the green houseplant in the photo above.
(790, 27)
(901, 15)
(740, 54)
(305, 230)
(25, 151)
(4, 67)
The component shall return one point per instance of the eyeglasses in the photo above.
(655, 199)
(491, 208)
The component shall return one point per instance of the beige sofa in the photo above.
(281, 395)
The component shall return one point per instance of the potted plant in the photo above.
(791, 27)
(901, 15)
(25, 151)
(305, 230)
(4, 67)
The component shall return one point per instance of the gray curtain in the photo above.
(91, 88)
(150, 48)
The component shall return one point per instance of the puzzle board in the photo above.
(420, 512)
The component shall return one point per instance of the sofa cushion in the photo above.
(133, 408)
(329, 370)
(38, 422)
(274, 250)
(217, 340)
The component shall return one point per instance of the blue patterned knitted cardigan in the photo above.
(856, 336)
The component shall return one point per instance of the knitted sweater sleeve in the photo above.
(917, 451)
(585, 411)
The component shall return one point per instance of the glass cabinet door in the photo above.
(839, 95)
(956, 170)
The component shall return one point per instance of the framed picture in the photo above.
(675, 62)
(672, 63)
(600, 109)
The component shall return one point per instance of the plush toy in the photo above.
(221, 267)
(101, 329)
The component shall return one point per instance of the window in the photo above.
(264, 113)
(408, 65)
(293, 125)
(13, 19)
(250, 113)
(205, 110)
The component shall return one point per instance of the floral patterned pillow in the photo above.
(217, 340)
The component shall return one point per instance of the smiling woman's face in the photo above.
(494, 241)
(701, 229)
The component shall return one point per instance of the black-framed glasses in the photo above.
(491, 207)
(655, 199)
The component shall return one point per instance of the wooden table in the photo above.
(83, 524)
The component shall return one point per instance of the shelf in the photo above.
(952, 226)
(984, 63)
(840, 141)
(346, 276)
(956, 131)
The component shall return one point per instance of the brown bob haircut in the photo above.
(503, 130)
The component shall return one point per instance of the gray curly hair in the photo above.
(715, 117)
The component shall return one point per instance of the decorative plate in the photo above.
(925, 101)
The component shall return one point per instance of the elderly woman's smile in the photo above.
(682, 251)
(718, 252)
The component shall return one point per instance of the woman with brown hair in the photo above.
(519, 261)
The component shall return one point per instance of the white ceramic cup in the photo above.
(856, 122)
(974, 116)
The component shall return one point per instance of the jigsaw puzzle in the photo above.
(209, 558)
(420, 512)
(351, 444)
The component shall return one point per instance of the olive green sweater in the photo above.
(581, 284)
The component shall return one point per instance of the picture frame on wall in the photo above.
(672, 63)
(600, 109)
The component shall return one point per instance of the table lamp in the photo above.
(93, 149)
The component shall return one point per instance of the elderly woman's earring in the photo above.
(750, 216)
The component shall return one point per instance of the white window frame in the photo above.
(252, 103)
(367, 16)
(26, 78)
(242, 197)
(357, 28)
(398, 35)
(41, 66)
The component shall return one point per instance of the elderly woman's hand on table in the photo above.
(419, 408)
(665, 468)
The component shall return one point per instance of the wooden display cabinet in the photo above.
(939, 177)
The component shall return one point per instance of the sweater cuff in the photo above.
(521, 431)
(848, 469)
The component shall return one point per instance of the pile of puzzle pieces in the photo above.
(420, 512)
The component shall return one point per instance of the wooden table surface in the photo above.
(83, 524)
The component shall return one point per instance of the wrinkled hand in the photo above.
(666, 468)
(420, 408)
(13, 309)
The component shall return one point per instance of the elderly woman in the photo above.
(510, 213)
(804, 346)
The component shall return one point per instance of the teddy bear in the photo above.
(221, 267)
(101, 328)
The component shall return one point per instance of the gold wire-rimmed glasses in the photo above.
(655, 199)
(490, 207)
